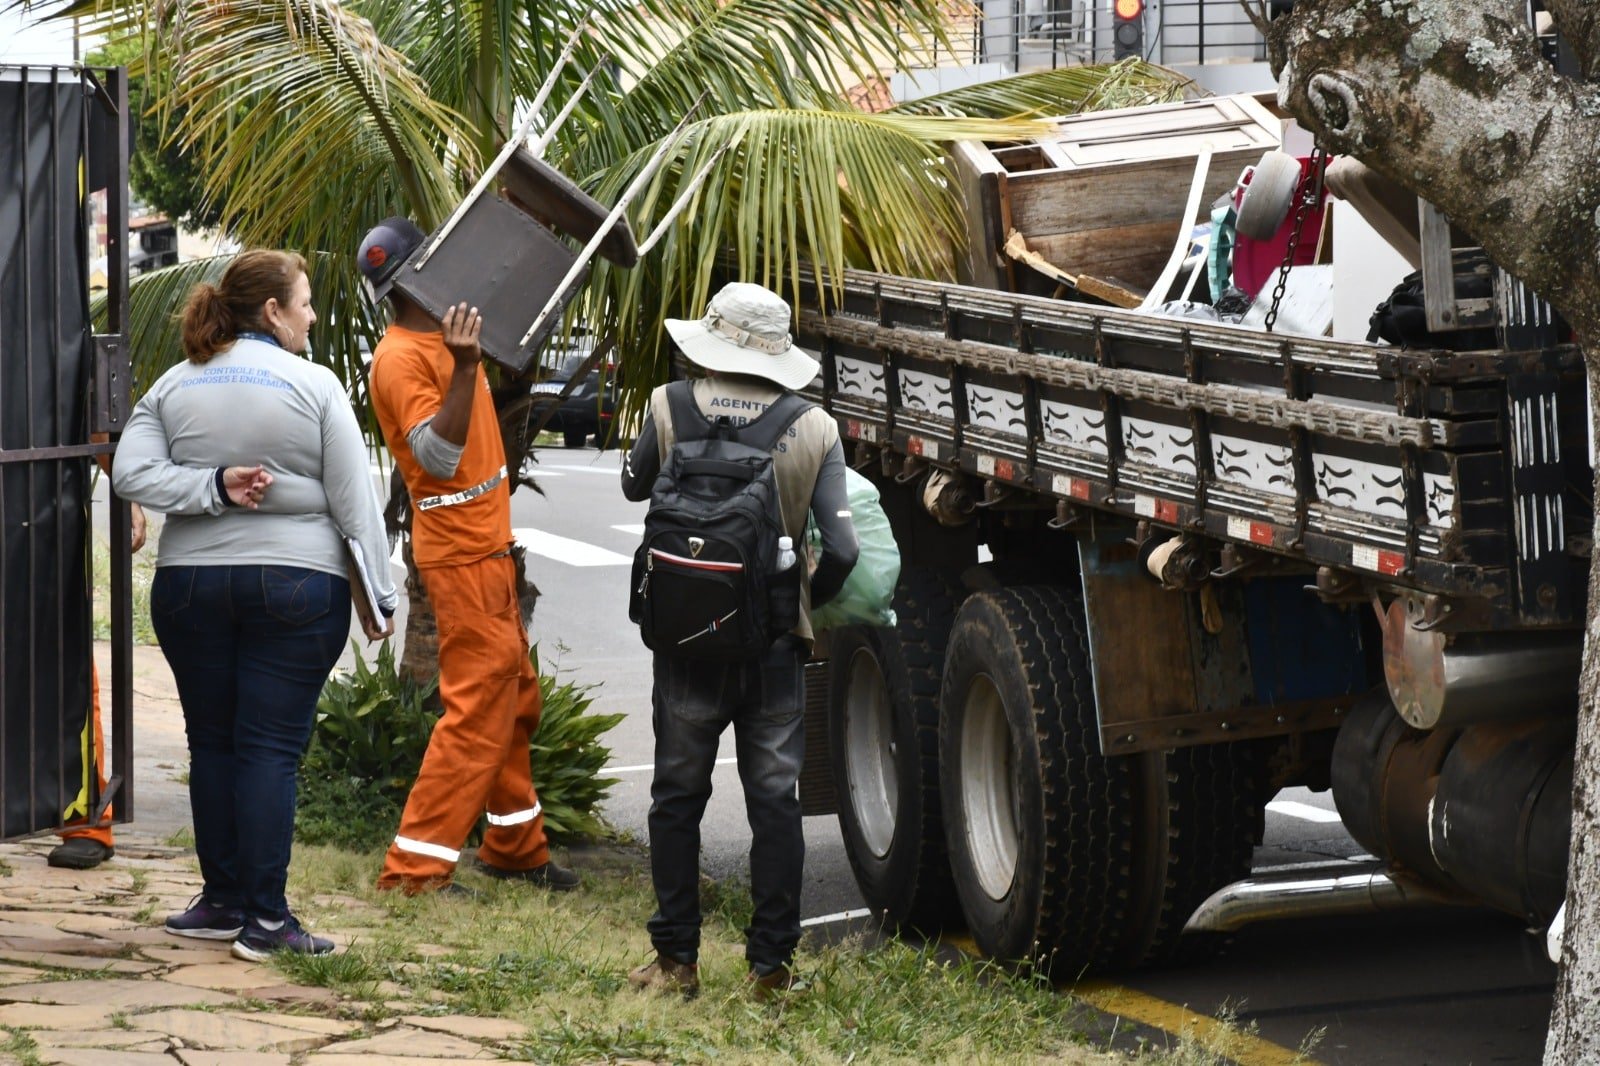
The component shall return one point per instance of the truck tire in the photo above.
(1039, 825)
(1065, 859)
(1202, 811)
(883, 727)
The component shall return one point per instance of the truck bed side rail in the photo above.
(1460, 474)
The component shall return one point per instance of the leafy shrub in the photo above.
(371, 732)
(567, 759)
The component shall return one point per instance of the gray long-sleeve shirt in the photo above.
(255, 403)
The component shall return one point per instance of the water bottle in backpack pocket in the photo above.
(707, 582)
(783, 590)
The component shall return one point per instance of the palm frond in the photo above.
(744, 54)
(155, 302)
(1064, 91)
(833, 188)
(285, 100)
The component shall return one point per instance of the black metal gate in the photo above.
(63, 139)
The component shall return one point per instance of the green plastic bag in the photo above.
(869, 590)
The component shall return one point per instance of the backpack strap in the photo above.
(763, 433)
(687, 421)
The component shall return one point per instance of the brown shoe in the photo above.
(667, 974)
(766, 987)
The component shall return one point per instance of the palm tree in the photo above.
(314, 118)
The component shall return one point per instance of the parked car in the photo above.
(588, 410)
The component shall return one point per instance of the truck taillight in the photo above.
(1127, 31)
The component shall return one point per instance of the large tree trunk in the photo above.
(420, 659)
(1452, 99)
(1574, 1035)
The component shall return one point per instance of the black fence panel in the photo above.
(47, 362)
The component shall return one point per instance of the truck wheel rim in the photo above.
(988, 796)
(870, 753)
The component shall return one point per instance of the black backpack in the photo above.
(1402, 319)
(706, 579)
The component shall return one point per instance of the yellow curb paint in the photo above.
(1243, 1048)
(964, 944)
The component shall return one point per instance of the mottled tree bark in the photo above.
(1451, 99)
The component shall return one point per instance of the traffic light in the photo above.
(1127, 28)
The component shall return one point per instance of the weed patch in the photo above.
(144, 572)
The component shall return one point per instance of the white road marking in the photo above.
(566, 550)
(1303, 811)
(839, 916)
(1316, 864)
(608, 471)
(634, 530)
(649, 766)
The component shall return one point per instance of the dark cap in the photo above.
(385, 249)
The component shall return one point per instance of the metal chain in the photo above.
(1308, 200)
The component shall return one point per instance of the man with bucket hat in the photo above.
(743, 341)
(432, 400)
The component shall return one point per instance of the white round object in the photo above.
(1269, 196)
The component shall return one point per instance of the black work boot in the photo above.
(79, 853)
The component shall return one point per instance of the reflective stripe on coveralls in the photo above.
(78, 810)
(516, 817)
(464, 495)
(422, 847)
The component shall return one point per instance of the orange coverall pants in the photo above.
(477, 759)
(79, 827)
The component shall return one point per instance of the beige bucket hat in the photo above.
(746, 331)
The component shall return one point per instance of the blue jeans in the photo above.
(693, 703)
(250, 647)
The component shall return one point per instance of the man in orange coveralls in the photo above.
(433, 405)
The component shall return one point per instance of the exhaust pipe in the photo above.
(1318, 892)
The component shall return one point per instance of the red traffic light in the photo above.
(1128, 9)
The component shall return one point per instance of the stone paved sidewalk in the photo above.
(89, 974)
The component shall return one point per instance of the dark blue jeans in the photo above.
(693, 703)
(250, 647)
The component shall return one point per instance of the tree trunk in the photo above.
(1452, 100)
(1574, 1035)
(420, 659)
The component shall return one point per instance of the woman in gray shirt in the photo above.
(254, 455)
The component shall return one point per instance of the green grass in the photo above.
(144, 572)
(558, 963)
(20, 1047)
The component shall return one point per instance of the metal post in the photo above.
(121, 521)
